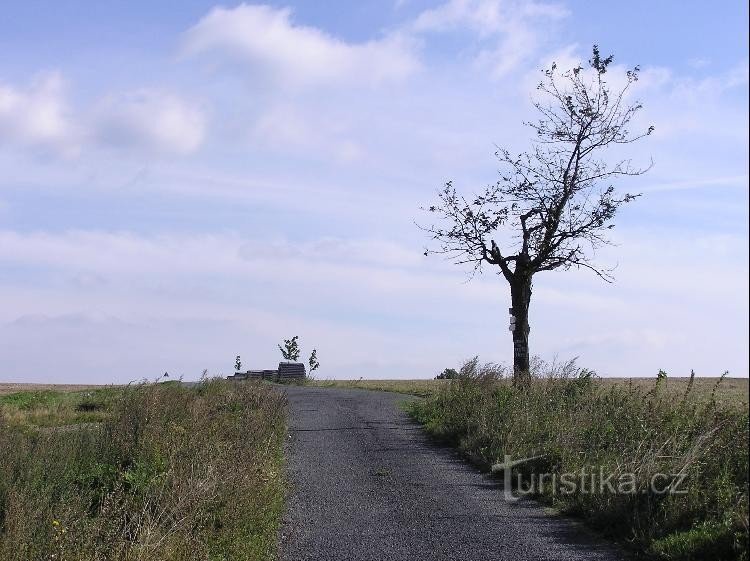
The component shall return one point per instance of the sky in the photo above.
(184, 182)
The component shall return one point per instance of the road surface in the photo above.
(367, 485)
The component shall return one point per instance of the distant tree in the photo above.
(290, 350)
(313, 360)
(447, 374)
(554, 203)
(237, 363)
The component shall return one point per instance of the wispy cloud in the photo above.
(357, 300)
(276, 48)
(40, 116)
(150, 121)
(510, 32)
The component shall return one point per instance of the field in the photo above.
(729, 391)
(422, 388)
(146, 472)
(6, 388)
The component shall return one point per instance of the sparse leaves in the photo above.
(290, 350)
(556, 201)
(313, 360)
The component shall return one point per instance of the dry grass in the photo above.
(731, 391)
(165, 473)
(10, 387)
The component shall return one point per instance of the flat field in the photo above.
(10, 387)
(727, 391)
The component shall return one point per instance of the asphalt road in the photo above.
(367, 485)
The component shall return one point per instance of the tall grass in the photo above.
(165, 473)
(576, 425)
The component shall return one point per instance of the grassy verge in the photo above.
(575, 425)
(147, 472)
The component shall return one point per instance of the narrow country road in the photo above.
(366, 485)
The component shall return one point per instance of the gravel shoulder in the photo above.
(367, 485)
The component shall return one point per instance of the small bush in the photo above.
(447, 374)
(89, 406)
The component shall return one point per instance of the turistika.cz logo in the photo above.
(587, 481)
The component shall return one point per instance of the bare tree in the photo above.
(556, 201)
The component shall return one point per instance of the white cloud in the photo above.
(37, 115)
(486, 17)
(214, 296)
(688, 113)
(149, 121)
(740, 181)
(359, 301)
(510, 27)
(545, 9)
(510, 52)
(269, 41)
(40, 117)
(482, 16)
(695, 112)
(307, 129)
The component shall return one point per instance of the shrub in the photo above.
(447, 374)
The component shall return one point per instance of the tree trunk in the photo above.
(520, 292)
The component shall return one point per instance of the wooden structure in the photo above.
(286, 371)
(291, 371)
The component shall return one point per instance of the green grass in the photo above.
(148, 472)
(50, 408)
(575, 423)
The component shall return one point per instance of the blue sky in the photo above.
(182, 185)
